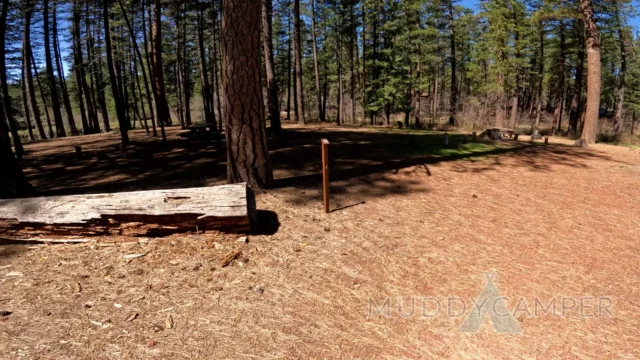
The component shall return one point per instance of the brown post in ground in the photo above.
(325, 173)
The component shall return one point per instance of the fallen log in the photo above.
(226, 208)
(12, 241)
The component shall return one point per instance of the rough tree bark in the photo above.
(269, 62)
(592, 112)
(244, 114)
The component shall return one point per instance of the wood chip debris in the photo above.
(243, 239)
(131, 317)
(134, 256)
(230, 258)
(14, 274)
(168, 323)
(102, 324)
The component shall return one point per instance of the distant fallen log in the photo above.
(12, 241)
(226, 208)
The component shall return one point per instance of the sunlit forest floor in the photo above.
(412, 219)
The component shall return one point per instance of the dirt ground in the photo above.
(413, 224)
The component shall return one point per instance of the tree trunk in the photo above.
(316, 68)
(272, 84)
(352, 45)
(559, 95)
(186, 80)
(87, 125)
(617, 119)
(120, 111)
(514, 111)
(6, 98)
(134, 41)
(364, 63)
(297, 50)
(289, 56)
(60, 70)
(217, 63)
(162, 107)
(144, 111)
(576, 99)
(536, 125)
(592, 112)
(339, 94)
(13, 183)
(55, 100)
(515, 98)
(98, 65)
(26, 65)
(434, 107)
(500, 98)
(453, 104)
(44, 100)
(244, 114)
(207, 96)
(150, 67)
(25, 105)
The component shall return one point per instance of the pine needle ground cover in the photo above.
(547, 222)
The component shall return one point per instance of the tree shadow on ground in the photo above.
(356, 153)
(7, 251)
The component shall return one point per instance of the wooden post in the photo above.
(474, 136)
(446, 139)
(325, 173)
(515, 137)
(78, 151)
(546, 141)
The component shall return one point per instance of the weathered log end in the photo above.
(226, 208)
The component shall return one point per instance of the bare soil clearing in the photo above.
(413, 220)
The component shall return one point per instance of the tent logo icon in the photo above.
(490, 304)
